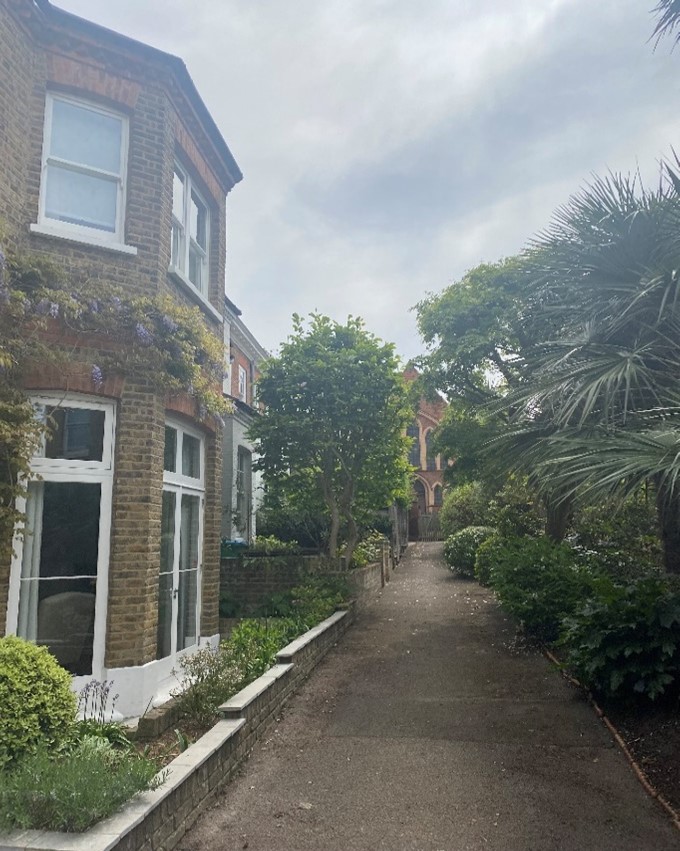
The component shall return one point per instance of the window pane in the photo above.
(85, 136)
(170, 450)
(177, 247)
(165, 583)
(191, 456)
(81, 199)
(198, 221)
(187, 633)
(168, 532)
(178, 197)
(76, 433)
(59, 570)
(196, 267)
(164, 631)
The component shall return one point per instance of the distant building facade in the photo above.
(428, 488)
(241, 490)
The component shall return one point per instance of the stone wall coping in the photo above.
(237, 706)
(288, 653)
(107, 834)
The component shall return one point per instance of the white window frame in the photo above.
(181, 269)
(72, 470)
(179, 484)
(242, 384)
(68, 230)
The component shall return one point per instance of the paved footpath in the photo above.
(424, 730)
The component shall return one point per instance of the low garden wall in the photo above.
(157, 821)
(249, 581)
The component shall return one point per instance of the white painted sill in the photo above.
(83, 239)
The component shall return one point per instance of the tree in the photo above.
(606, 272)
(334, 417)
(668, 19)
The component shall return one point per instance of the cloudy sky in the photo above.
(388, 146)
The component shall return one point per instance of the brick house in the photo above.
(113, 168)
(429, 467)
(241, 490)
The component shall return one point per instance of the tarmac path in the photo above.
(424, 730)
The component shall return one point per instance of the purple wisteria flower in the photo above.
(97, 376)
(169, 323)
(144, 336)
(42, 308)
(202, 412)
(54, 309)
(94, 306)
(116, 303)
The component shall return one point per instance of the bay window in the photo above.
(190, 232)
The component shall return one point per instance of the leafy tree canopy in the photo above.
(334, 415)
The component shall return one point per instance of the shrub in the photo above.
(37, 704)
(464, 505)
(369, 549)
(620, 539)
(515, 511)
(625, 640)
(74, 790)
(487, 555)
(539, 583)
(460, 549)
(209, 677)
(271, 545)
(317, 599)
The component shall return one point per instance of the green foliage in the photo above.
(207, 678)
(620, 539)
(464, 505)
(369, 549)
(37, 704)
(72, 791)
(488, 554)
(154, 337)
(460, 550)
(96, 705)
(210, 676)
(625, 640)
(539, 583)
(270, 544)
(515, 509)
(332, 429)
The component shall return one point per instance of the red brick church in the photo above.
(429, 476)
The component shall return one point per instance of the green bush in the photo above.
(369, 549)
(460, 550)
(487, 555)
(37, 705)
(622, 540)
(515, 511)
(271, 545)
(74, 790)
(539, 583)
(317, 598)
(463, 506)
(625, 640)
(208, 678)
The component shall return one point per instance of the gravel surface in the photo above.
(428, 729)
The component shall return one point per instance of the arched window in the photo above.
(421, 499)
(431, 458)
(414, 452)
(438, 499)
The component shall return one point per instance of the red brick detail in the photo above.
(76, 378)
(88, 78)
(191, 153)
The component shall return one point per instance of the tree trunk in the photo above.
(668, 514)
(332, 504)
(352, 538)
(557, 517)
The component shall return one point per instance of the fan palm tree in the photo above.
(602, 406)
(668, 23)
